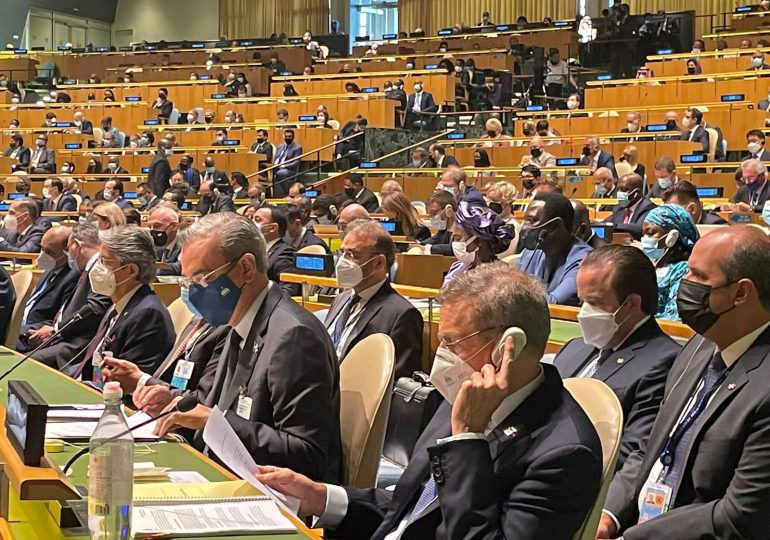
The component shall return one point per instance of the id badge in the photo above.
(655, 502)
(182, 374)
(244, 407)
(96, 361)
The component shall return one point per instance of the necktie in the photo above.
(179, 351)
(33, 298)
(427, 496)
(603, 355)
(711, 378)
(342, 320)
(233, 353)
(101, 333)
(627, 217)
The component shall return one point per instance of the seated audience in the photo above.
(755, 143)
(371, 306)
(631, 157)
(665, 176)
(547, 481)
(758, 62)
(442, 161)
(22, 228)
(669, 236)
(398, 208)
(296, 189)
(632, 206)
(693, 67)
(685, 195)
(164, 228)
(325, 210)
(17, 151)
(480, 163)
(356, 191)
(271, 221)
(501, 196)
(298, 235)
(595, 157)
(287, 169)
(419, 107)
(618, 290)
(537, 156)
(42, 160)
(441, 208)
(239, 185)
(582, 228)
(754, 191)
(454, 181)
(421, 160)
(550, 252)
(212, 201)
(694, 130)
(604, 185)
(113, 166)
(147, 199)
(494, 135)
(633, 125)
(56, 200)
(107, 215)
(114, 191)
(389, 187)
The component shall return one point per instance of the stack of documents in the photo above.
(78, 422)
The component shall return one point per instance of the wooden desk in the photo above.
(19, 68)
(422, 270)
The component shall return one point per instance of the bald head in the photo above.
(54, 243)
(351, 213)
(672, 115)
(603, 174)
(536, 142)
(389, 187)
(631, 182)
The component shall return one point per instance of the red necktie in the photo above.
(627, 218)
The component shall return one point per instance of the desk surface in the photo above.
(31, 520)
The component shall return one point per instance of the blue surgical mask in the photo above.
(72, 263)
(184, 294)
(665, 182)
(766, 213)
(216, 302)
(601, 190)
(651, 249)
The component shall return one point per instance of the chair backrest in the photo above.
(602, 407)
(78, 198)
(312, 250)
(420, 207)
(22, 285)
(334, 124)
(623, 168)
(713, 139)
(173, 118)
(366, 379)
(180, 315)
(98, 135)
(324, 51)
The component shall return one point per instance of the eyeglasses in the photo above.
(450, 345)
(205, 279)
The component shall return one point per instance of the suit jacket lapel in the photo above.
(216, 388)
(572, 365)
(616, 360)
(336, 307)
(371, 308)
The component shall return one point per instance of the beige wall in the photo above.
(172, 20)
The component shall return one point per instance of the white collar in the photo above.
(737, 348)
(512, 402)
(243, 327)
(121, 304)
(368, 293)
(22, 233)
(270, 244)
(92, 261)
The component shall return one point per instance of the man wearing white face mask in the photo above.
(755, 143)
(21, 231)
(665, 176)
(441, 208)
(622, 344)
(55, 198)
(137, 327)
(510, 454)
(54, 287)
(82, 125)
(455, 181)
(417, 104)
(372, 306)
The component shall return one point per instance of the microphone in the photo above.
(574, 190)
(186, 404)
(78, 316)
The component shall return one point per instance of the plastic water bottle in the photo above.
(110, 472)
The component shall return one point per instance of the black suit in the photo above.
(634, 227)
(724, 491)
(265, 149)
(73, 339)
(708, 217)
(222, 203)
(700, 136)
(448, 161)
(605, 160)
(280, 258)
(50, 293)
(146, 206)
(389, 313)
(7, 301)
(755, 198)
(763, 156)
(169, 256)
(46, 161)
(86, 127)
(288, 368)
(29, 242)
(367, 199)
(159, 174)
(23, 155)
(143, 333)
(440, 243)
(310, 239)
(165, 108)
(66, 203)
(219, 177)
(636, 372)
(427, 105)
(534, 478)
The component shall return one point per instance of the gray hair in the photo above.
(132, 245)
(501, 296)
(86, 233)
(455, 174)
(754, 165)
(235, 234)
(382, 242)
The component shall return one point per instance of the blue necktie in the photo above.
(342, 320)
(428, 495)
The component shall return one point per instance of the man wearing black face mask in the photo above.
(551, 252)
(287, 169)
(19, 152)
(164, 106)
(356, 192)
(709, 441)
(211, 201)
(628, 215)
(595, 157)
(164, 225)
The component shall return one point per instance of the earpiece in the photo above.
(450, 212)
(519, 342)
(333, 210)
(671, 238)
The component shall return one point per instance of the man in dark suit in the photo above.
(286, 151)
(19, 152)
(298, 235)
(285, 412)
(114, 191)
(113, 166)
(82, 254)
(159, 174)
(622, 344)
(664, 170)
(271, 220)
(442, 161)
(595, 157)
(212, 201)
(453, 180)
(707, 450)
(417, 105)
(9, 86)
(239, 186)
(755, 143)
(356, 192)
(137, 327)
(7, 301)
(42, 160)
(82, 125)
(628, 215)
(163, 105)
(55, 198)
(755, 191)
(22, 230)
(371, 306)
(685, 195)
(53, 288)
(263, 146)
(441, 208)
(582, 227)
(190, 174)
(694, 131)
(524, 463)
(211, 173)
(164, 227)
(604, 186)
(147, 199)
(396, 92)
(420, 160)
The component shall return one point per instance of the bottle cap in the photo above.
(113, 389)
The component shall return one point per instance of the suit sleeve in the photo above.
(149, 341)
(549, 501)
(741, 512)
(69, 204)
(227, 205)
(407, 336)
(303, 406)
(99, 305)
(31, 244)
(366, 510)
(566, 292)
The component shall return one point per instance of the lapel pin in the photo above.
(731, 386)
(620, 360)
(257, 345)
(511, 431)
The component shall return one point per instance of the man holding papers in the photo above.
(277, 379)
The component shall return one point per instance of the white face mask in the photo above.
(65, 169)
(754, 148)
(597, 326)
(665, 182)
(190, 118)
(107, 195)
(630, 126)
(102, 279)
(757, 62)
(349, 272)
(572, 104)
(10, 223)
(448, 373)
(460, 250)
(437, 223)
(686, 122)
(696, 50)
(46, 193)
(46, 262)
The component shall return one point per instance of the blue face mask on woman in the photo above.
(216, 302)
(651, 249)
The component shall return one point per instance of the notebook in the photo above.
(175, 492)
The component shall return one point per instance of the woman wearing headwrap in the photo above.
(669, 236)
(479, 236)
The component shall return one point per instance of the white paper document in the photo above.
(222, 440)
(84, 428)
(246, 517)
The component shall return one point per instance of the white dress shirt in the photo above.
(355, 313)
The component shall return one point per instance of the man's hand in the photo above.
(152, 399)
(125, 372)
(607, 528)
(194, 419)
(40, 335)
(482, 394)
(311, 495)
(741, 207)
